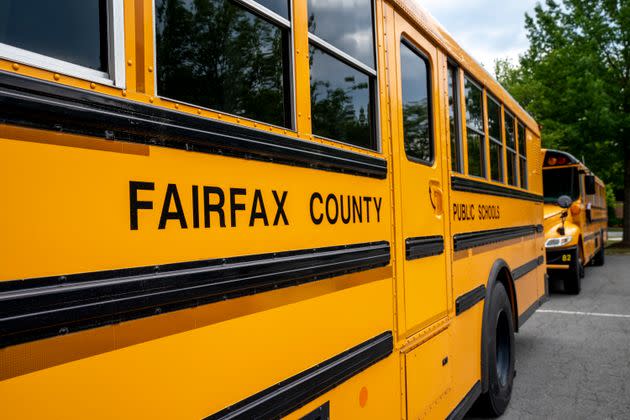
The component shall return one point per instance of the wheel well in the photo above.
(505, 278)
(499, 273)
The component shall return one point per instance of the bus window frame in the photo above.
(115, 54)
(358, 65)
(459, 153)
(266, 14)
(517, 175)
(520, 158)
(502, 178)
(407, 41)
(484, 140)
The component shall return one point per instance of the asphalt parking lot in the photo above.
(573, 355)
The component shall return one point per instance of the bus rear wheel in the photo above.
(600, 258)
(573, 279)
(500, 348)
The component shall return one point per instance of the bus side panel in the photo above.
(69, 209)
(198, 372)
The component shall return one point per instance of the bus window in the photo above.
(496, 146)
(522, 154)
(343, 75)
(67, 36)
(416, 105)
(454, 121)
(224, 57)
(510, 144)
(561, 181)
(474, 129)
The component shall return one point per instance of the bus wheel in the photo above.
(500, 348)
(599, 258)
(573, 279)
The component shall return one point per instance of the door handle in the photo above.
(436, 195)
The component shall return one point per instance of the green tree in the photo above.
(575, 80)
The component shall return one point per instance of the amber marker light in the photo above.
(363, 397)
(575, 209)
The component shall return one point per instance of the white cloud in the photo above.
(486, 29)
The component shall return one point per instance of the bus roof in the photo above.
(432, 28)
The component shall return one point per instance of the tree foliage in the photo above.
(575, 80)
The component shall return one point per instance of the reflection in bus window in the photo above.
(496, 146)
(510, 143)
(340, 100)
(522, 154)
(218, 55)
(453, 118)
(68, 30)
(346, 25)
(474, 128)
(415, 105)
(343, 75)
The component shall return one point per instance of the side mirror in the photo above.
(589, 184)
(564, 201)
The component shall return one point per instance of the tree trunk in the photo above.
(626, 195)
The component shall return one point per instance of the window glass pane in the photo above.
(510, 136)
(69, 30)
(511, 168)
(475, 154)
(474, 106)
(474, 128)
(522, 140)
(341, 107)
(281, 7)
(346, 25)
(496, 161)
(218, 55)
(494, 119)
(415, 104)
(523, 174)
(453, 112)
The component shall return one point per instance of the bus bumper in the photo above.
(562, 259)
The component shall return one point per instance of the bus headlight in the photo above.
(556, 242)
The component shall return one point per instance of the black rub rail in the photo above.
(39, 104)
(32, 309)
(462, 241)
(423, 246)
(289, 395)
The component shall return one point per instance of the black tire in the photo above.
(573, 279)
(600, 258)
(501, 355)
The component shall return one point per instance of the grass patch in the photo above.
(617, 248)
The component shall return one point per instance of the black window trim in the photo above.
(508, 149)
(452, 64)
(490, 97)
(524, 184)
(480, 86)
(372, 74)
(116, 74)
(271, 17)
(406, 40)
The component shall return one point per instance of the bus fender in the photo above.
(499, 273)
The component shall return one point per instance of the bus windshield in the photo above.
(562, 181)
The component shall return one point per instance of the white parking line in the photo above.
(551, 311)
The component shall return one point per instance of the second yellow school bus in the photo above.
(258, 209)
(576, 218)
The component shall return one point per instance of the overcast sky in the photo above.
(486, 29)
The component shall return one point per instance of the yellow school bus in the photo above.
(258, 209)
(576, 218)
